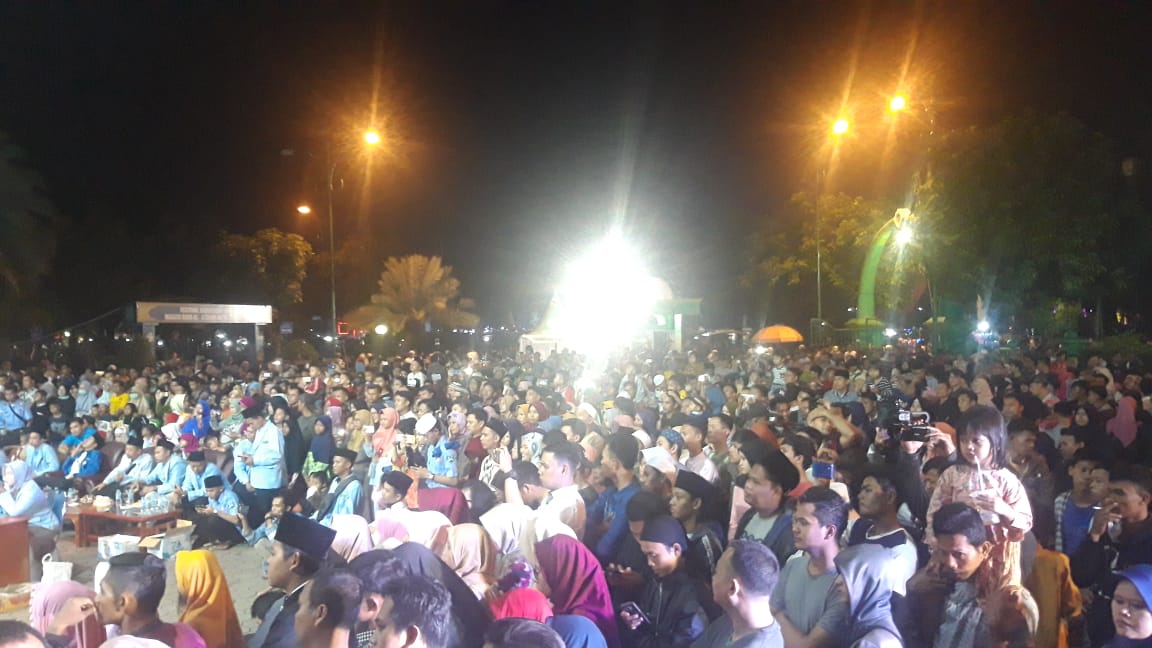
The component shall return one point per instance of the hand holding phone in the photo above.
(632, 615)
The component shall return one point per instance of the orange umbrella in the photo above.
(777, 334)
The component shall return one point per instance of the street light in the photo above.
(304, 209)
(904, 236)
(381, 329)
(371, 138)
(840, 126)
(898, 103)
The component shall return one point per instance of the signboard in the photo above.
(174, 313)
(286, 328)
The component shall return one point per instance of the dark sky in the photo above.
(524, 128)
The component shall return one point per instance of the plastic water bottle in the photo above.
(119, 502)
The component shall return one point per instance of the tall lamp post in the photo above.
(371, 138)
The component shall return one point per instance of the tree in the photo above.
(416, 291)
(783, 254)
(28, 220)
(269, 266)
(1025, 213)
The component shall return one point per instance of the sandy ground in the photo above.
(243, 566)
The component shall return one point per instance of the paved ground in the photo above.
(243, 566)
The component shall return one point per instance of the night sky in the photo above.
(519, 130)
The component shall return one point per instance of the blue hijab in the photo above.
(199, 427)
(323, 445)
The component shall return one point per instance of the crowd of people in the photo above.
(794, 497)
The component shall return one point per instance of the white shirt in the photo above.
(567, 505)
(703, 466)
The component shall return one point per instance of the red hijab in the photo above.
(522, 603)
(577, 583)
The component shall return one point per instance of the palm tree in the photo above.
(27, 220)
(416, 291)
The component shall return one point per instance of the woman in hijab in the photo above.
(468, 614)
(319, 457)
(352, 536)
(505, 524)
(360, 429)
(472, 554)
(48, 598)
(1123, 426)
(22, 497)
(862, 572)
(205, 600)
(576, 583)
(294, 450)
(521, 603)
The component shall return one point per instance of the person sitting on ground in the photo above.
(129, 598)
(192, 488)
(301, 546)
(205, 600)
(329, 607)
(49, 598)
(670, 601)
(961, 598)
(811, 609)
(265, 534)
(415, 612)
(395, 523)
(742, 586)
(217, 516)
(375, 569)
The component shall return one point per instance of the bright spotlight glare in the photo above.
(761, 349)
(898, 103)
(840, 127)
(591, 311)
(328, 338)
(381, 329)
(890, 332)
(227, 343)
(983, 326)
(903, 236)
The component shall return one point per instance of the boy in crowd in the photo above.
(1076, 508)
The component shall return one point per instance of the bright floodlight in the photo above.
(761, 349)
(903, 236)
(371, 138)
(329, 338)
(890, 332)
(983, 326)
(381, 329)
(67, 333)
(840, 126)
(898, 103)
(605, 299)
(304, 209)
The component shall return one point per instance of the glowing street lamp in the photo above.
(840, 127)
(381, 329)
(983, 326)
(898, 103)
(303, 209)
(371, 138)
(904, 236)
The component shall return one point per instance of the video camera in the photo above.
(911, 426)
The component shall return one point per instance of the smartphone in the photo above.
(631, 608)
(823, 470)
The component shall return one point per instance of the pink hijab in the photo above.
(47, 601)
(1123, 426)
(386, 432)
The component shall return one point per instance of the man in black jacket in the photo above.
(300, 547)
(1120, 536)
(670, 612)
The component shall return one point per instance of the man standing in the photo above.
(265, 464)
(607, 515)
(742, 586)
(300, 547)
(558, 466)
(811, 609)
(840, 392)
(693, 431)
(329, 606)
(768, 520)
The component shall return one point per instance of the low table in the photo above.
(89, 522)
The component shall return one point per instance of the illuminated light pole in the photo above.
(898, 103)
(371, 139)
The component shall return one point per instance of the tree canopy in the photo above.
(416, 291)
(269, 265)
